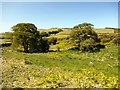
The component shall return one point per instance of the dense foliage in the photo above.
(107, 38)
(26, 34)
(84, 37)
(116, 40)
(62, 66)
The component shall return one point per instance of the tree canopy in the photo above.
(26, 34)
(84, 25)
(83, 36)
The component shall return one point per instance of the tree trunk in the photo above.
(25, 47)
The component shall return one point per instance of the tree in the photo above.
(82, 34)
(26, 34)
(84, 25)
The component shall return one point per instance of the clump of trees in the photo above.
(47, 34)
(84, 38)
(26, 35)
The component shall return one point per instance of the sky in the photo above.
(59, 14)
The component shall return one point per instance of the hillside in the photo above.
(61, 69)
(66, 31)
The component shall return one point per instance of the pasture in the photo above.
(61, 69)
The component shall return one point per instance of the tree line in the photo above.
(82, 35)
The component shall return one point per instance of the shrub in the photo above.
(60, 30)
(105, 40)
(107, 37)
(44, 34)
(116, 40)
(88, 45)
(53, 32)
(52, 40)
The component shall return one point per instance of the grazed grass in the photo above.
(103, 30)
(66, 68)
(105, 61)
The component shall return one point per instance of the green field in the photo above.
(61, 69)
(65, 68)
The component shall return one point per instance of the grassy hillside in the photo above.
(103, 30)
(65, 33)
(66, 68)
(98, 30)
(61, 69)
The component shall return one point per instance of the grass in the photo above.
(61, 69)
(62, 44)
(103, 30)
(65, 68)
(5, 41)
(105, 60)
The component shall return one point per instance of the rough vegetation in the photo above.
(85, 38)
(93, 65)
(61, 69)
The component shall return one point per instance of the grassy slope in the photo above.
(65, 44)
(68, 68)
(66, 31)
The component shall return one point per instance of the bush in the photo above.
(52, 40)
(107, 37)
(60, 30)
(88, 45)
(44, 34)
(53, 32)
(105, 40)
(116, 40)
